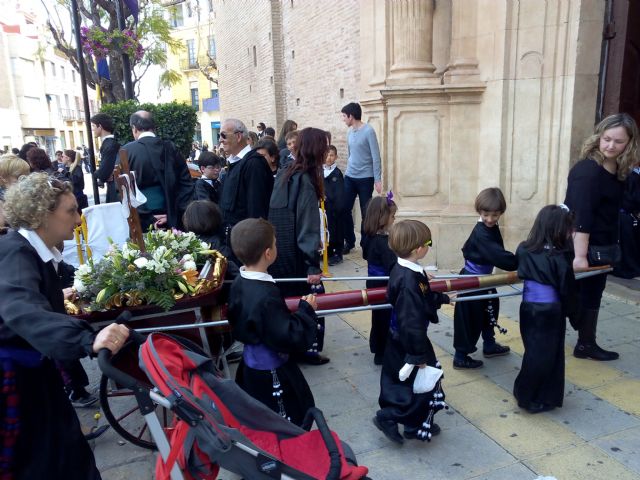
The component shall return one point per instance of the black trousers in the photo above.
(355, 187)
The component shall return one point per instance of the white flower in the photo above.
(83, 269)
(204, 245)
(190, 265)
(141, 262)
(187, 257)
(78, 285)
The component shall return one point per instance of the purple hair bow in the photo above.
(389, 198)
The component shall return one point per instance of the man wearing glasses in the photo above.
(249, 181)
(208, 187)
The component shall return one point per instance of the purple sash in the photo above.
(476, 268)
(261, 357)
(539, 293)
(376, 270)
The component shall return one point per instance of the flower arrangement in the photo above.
(100, 42)
(166, 272)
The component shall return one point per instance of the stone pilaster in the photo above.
(463, 66)
(412, 42)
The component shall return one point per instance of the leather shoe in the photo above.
(412, 433)
(466, 363)
(496, 350)
(335, 260)
(314, 359)
(536, 407)
(389, 428)
(347, 249)
(594, 352)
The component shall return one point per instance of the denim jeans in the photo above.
(363, 189)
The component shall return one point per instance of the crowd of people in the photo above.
(258, 201)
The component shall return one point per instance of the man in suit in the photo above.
(249, 181)
(102, 127)
(209, 187)
(161, 174)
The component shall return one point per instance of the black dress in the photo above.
(261, 320)
(334, 207)
(594, 195)
(33, 325)
(630, 228)
(77, 180)
(380, 260)
(484, 249)
(542, 325)
(414, 307)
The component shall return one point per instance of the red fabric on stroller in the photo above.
(189, 380)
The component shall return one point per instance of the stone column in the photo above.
(412, 37)
(463, 66)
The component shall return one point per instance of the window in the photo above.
(189, 9)
(195, 99)
(63, 140)
(255, 57)
(191, 52)
(53, 69)
(73, 76)
(210, 5)
(62, 72)
(81, 137)
(212, 46)
(214, 93)
(66, 100)
(177, 20)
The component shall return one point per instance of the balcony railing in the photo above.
(203, 61)
(70, 114)
(211, 104)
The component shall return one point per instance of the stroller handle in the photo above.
(314, 414)
(104, 356)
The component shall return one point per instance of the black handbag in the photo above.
(598, 255)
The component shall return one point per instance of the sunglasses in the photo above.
(428, 243)
(225, 135)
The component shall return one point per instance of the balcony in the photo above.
(70, 114)
(211, 104)
(202, 61)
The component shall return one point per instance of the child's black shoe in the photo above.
(389, 428)
(496, 350)
(466, 363)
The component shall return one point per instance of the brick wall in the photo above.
(312, 55)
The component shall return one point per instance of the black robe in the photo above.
(414, 307)
(247, 189)
(258, 314)
(542, 327)
(50, 443)
(203, 190)
(334, 207)
(109, 151)
(162, 175)
(483, 247)
(380, 259)
(629, 267)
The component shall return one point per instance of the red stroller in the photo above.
(217, 425)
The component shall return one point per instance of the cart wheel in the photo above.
(121, 410)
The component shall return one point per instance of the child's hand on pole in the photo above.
(311, 300)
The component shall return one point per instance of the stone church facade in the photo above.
(463, 94)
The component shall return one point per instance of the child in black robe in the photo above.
(629, 226)
(333, 205)
(380, 259)
(483, 251)
(414, 307)
(261, 320)
(545, 263)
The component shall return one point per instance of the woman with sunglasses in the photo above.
(40, 430)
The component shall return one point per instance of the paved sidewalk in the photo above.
(484, 435)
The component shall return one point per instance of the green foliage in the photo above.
(174, 121)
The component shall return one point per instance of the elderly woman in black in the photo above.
(40, 429)
(594, 193)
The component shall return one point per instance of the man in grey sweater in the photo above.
(363, 168)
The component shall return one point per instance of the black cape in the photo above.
(484, 247)
(629, 267)
(414, 306)
(542, 327)
(258, 314)
(50, 443)
(334, 208)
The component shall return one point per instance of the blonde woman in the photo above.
(12, 167)
(35, 331)
(594, 193)
(72, 160)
